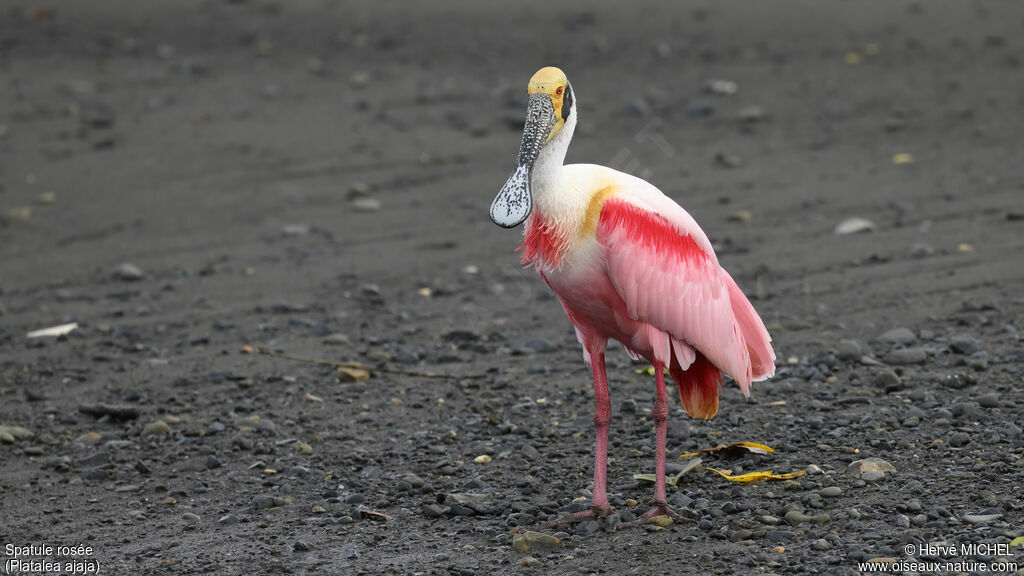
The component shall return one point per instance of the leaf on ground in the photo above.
(1018, 541)
(649, 370)
(756, 476)
(734, 449)
(651, 478)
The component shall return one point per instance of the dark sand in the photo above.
(222, 148)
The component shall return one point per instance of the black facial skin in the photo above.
(567, 102)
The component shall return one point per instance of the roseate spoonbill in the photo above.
(627, 264)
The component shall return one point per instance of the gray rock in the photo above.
(959, 439)
(263, 501)
(779, 535)
(898, 336)
(190, 518)
(831, 492)
(964, 344)
(902, 521)
(350, 551)
(128, 272)
(820, 544)
(228, 519)
(968, 409)
(905, 356)
(990, 400)
(585, 529)
(980, 518)
(848, 350)
(858, 467)
(612, 522)
(796, 517)
(872, 476)
(531, 541)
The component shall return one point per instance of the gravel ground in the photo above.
(184, 179)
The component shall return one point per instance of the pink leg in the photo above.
(660, 413)
(602, 421)
(599, 507)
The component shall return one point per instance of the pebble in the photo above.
(366, 205)
(157, 428)
(980, 518)
(128, 272)
(660, 520)
(820, 544)
(10, 434)
(301, 546)
(848, 350)
(528, 562)
(964, 344)
(588, 528)
(779, 535)
(350, 551)
(905, 356)
(990, 400)
(831, 492)
(872, 476)
(898, 336)
(531, 541)
(190, 517)
(612, 522)
(854, 225)
(902, 521)
(796, 517)
(228, 520)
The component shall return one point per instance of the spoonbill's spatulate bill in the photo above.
(627, 264)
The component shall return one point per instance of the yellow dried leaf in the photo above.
(734, 448)
(756, 476)
(346, 374)
(1018, 541)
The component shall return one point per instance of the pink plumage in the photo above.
(627, 264)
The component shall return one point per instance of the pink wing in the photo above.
(663, 267)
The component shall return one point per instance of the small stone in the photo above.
(482, 459)
(796, 517)
(301, 546)
(820, 544)
(589, 528)
(16, 433)
(295, 230)
(872, 476)
(848, 350)
(823, 518)
(660, 520)
(128, 272)
(612, 522)
(887, 379)
(337, 340)
(190, 518)
(350, 551)
(858, 467)
(990, 400)
(854, 226)
(831, 492)
(529, 562)
(157, 428)
(228, 520)
(898, 336)
(779, 535)
(531, 541)
(906, 356)
(964, 344)
(980, 518)
(921, 250)
(959, 439)
(366, 205)
(346, 374)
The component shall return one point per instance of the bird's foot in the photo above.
(659, 509)
(598, 513)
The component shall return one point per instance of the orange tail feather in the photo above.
(698, 386)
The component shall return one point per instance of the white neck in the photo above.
(546, 183)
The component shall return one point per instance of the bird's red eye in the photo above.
(558, 91)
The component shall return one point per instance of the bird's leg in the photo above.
(599, 507)
(660, 413)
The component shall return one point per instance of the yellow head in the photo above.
(552, 82)
(549, 106)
